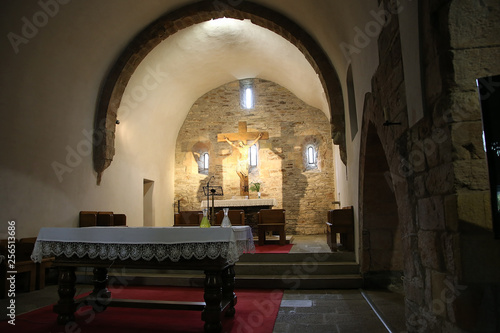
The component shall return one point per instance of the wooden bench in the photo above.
(94, 218)
(271, 220)
(341, 221)
(188, 218)
(236, 216)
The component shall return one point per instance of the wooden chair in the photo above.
(341, 221)
(41, 268)
(87, 219)
(105, 219)
(24, 264)
(236, 216)
(188, 218)
(119, 220)
(271, 220)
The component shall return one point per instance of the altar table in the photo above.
(240, 203)
(214, 250)
(250, 206)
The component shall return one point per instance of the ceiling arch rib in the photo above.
(120, 74)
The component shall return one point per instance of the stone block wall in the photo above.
(306, 194)
(438, 168)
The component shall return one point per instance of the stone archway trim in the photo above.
(167, 25)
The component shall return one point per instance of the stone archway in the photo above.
(381, 254)
(117, 80)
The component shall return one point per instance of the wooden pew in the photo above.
(341, 221)
(94, 218)
(271, 220)
(236, 216)
(188, 218)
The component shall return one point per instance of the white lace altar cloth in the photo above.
(240, 203)
(169, 243)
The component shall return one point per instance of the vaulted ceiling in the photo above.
(192, 50)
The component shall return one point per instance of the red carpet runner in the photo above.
(272, 248)
(256, 312)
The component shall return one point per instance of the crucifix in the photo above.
(243, 136)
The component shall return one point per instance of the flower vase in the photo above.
(226, 223)
(258, 195)
(204, 221)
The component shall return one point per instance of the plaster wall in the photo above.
(52, 70)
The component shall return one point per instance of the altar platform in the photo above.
(250, 206)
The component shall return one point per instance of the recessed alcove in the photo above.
(292, 126)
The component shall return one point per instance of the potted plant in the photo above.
(255, 187)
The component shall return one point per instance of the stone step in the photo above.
(304, 274)
(338, 281)
(297, 257)
(299, 268)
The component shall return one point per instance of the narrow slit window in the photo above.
(248, 98)
(206, 160)
(253, 155)
(311, 155)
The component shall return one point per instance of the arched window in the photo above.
(205, 161)
(253, 155)
(311, 155)
(247, 99)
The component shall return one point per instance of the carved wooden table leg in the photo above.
(228, 289)
(101, 293)
(213, 297)
(66, 306)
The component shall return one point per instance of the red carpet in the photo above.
(256, 312)
(273, 248)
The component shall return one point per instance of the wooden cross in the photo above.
(243, 135)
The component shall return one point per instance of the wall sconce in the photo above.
(387, 121)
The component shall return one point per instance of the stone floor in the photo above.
(318, 311)
(304, 311)
(309, 243)
(340, 311)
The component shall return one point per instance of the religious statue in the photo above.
(243, 164)
(239, 142)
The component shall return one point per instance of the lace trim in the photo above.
(174, 252)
